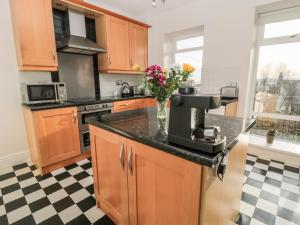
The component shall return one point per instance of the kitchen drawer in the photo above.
(141, 103)
(125, 105)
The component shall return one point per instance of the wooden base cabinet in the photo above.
(136, 184)
(139, 185)
(53, 137)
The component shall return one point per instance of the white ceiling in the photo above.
(139, 7)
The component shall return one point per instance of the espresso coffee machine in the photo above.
(187, 123)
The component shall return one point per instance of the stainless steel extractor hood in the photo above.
(77, 42)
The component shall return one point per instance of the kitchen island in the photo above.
(140, 178)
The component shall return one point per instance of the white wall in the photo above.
(228, 39)
(13, 144)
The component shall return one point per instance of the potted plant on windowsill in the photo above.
(271, 133)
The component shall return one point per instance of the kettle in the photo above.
(125, 91)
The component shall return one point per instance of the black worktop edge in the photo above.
(71, 104)
(187, 154)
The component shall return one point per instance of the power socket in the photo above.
(119, 82)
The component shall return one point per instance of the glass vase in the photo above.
(161, 109)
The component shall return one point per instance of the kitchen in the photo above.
(82, 86)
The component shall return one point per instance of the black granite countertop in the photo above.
(143, 126)
(39, 107)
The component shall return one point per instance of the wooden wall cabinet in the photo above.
(126, 44)
(53, 136)
(139, 185)
(34, 35)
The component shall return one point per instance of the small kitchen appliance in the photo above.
(41, 93)
(187, 123)
(229, 92)
(125, 90)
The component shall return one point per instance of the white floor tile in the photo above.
(94, 214)
(8, 182)
(48, 182)
(80, 195)
(274, 175)
(22, 171)
(59, 171)
(12, 196)
(281, 221)
(75, 170)
(290, 187)
(267, 206)
(86, 181)
(247, 209)
(44, 213)
(32, 197)
(270, 188)
(67, 182)
(28, 182)
(291, 174)
(257, 176)
(252, 190)
(58, 195)
(18, 214)
(70, 213)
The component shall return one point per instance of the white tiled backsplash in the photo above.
(214, 78)
(108, 82)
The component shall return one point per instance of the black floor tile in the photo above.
(31, 188)
(73, 188)
(86, 166)
(10, 188)
(81, 175)
(265, 217)
(52, 188)
(28, 220)
(262, 161)
(244, 220)
(62, 176)
(104, 221)
(7, 176)
(87, 203)
(63, 204)
(44, 177)
(72, 166)
(18, 203)
(289, 195)
(90, 189)
(3, 220)
(54, 220)
(20, 166)
(250, 199)
(289, 215)
(254, 183)
(291, 169)
(259, 171)
(39, 204)
(269, 197)
(273, 182)
(275, 170)
(80, 220)
(25, 176)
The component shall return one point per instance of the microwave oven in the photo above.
(43, 93)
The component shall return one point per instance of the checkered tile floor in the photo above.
(66, 196)
(271, 194)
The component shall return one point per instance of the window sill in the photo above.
(277, 146)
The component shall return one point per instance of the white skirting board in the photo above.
(8, 161)
(273, 154)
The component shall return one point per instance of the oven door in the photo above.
(95, 114)
(41, 93)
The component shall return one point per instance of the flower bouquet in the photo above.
(162, 83)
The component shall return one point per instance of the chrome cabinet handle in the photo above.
(53, 54)
(75, 117)
(130, 161)
(122, 162)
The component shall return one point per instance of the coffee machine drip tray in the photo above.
(200, 144)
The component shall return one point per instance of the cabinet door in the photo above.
(110, 174)
(163, 189)
(141, 103)
(34, 34)
(138, 44)
(58, 134)
(118, 43)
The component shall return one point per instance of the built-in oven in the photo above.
(94, 111)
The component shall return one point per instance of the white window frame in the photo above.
(183, 37)
(271, 17)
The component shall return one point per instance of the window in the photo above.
(277, 73)
(186, 47)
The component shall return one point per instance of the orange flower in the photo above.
(188, 68)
